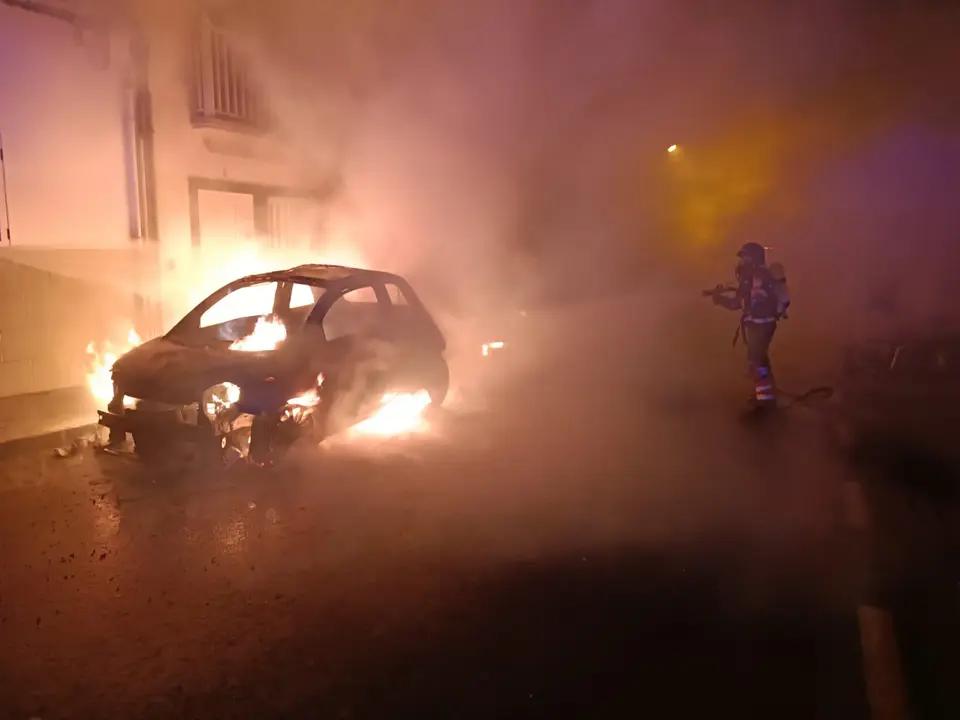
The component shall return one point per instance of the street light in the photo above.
(672, 149)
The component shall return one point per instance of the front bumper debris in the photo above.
(228, 438)
(132, 421)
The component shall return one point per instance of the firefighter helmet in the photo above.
(752, 252)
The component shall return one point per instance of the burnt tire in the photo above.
(436, 380)
(262, 434)
(151, 445)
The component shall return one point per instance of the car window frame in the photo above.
(285, 294)
(335, 293)
(282, 309)
(408, 299)
(190, 323)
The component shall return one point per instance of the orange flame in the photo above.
(399, 413)
(99, 378)
(309, 399)
(266, 335)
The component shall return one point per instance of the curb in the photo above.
(45, 441)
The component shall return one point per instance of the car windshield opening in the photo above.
(234, 312)
(248, 301)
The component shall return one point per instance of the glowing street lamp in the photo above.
(673, 148)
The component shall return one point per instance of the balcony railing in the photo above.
(223, 89)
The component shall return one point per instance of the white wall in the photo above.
(70, 275)
(184, 151)
(62, 119)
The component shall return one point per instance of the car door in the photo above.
(360, 355)
(355, 314)
(409, 321)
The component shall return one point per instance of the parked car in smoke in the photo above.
(901, 394)
(271, 358)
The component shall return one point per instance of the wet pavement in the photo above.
(564, 551)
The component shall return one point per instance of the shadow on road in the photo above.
(914, 504)
(603, 539)
(601, 636)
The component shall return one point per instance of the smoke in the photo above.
(513, 145)
(499, 152)
(463, 132)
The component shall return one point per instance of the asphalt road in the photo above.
(597, 540)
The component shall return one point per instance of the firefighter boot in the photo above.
(765, 394)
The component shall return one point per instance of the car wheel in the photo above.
(262, 433)
(220, 451)
(437, 380)
(150, 445)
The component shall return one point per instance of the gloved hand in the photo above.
(717, 294)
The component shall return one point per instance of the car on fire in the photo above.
(274, 357)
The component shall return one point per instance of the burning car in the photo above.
(275, 357)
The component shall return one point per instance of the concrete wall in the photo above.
(70, 268)
(47, 322)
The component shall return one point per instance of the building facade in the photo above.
(223, 176)
(133, 165)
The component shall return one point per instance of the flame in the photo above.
(222, 398)
(309, 399)
(399, 413)
(266, 335)
(248, 301)
(99, 377)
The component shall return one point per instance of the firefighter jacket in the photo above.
(761, 295)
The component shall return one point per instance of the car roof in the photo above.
(322, 275)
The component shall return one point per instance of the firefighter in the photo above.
(761, 296)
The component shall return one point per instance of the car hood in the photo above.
(168, 371)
